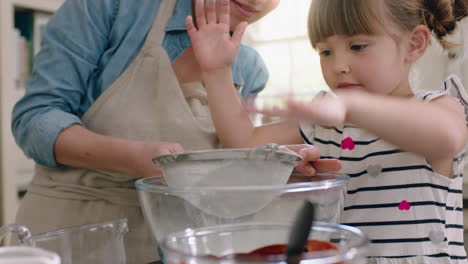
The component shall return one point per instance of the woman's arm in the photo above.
(77, 146)
(72, 45)
(46, 124)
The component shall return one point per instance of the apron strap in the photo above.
(156, 35)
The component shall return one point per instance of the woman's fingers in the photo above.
(200, 13)
(176, 148)
(211, 12)
(224, 12)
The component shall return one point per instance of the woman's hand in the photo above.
(80, 147)
(311, 163)
(145, 152)
(212, 43)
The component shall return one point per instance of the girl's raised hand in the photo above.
(326, 111)
(212, 43)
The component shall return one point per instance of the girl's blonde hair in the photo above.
(352, 17)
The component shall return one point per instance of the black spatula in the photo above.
(299, 233)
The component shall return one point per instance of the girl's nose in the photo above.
(341, 67)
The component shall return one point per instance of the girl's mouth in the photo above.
(347, 85)
(244, 10)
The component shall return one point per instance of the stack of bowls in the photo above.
(171, 209)
(239, 186)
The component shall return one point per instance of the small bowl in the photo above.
(230, 243)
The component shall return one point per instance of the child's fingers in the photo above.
(224, 12)
(309, 154)
(304, 149)
(307, 170)
(327, 111)
(211, 12)
(275, 111)
(319, 166)
(300, 110)
(327, 165)
(191, 29)
(200, 13)
(239, 32)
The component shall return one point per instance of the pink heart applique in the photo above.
(404, 205)
(347, 143)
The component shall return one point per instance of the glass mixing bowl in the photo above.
(86, 244)
(171, 209)
(230, 243)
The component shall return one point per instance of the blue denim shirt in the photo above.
(86, 46)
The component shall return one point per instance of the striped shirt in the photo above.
(410, 213)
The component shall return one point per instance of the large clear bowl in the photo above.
(219, 244)
(170, 209)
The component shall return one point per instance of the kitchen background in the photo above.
(281, 38)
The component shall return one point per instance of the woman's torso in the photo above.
(106, 43)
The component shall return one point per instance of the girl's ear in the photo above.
(419, 40)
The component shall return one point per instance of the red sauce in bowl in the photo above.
(277, 249)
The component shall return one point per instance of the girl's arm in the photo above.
(233, 125)
(215, 50)
(435, 130)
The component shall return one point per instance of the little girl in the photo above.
(404, 150)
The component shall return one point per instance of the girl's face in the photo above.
(374, 63)
(250, 10)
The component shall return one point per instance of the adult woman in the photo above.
(115, 85)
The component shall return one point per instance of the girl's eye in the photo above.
(325, 53)
(358, 47)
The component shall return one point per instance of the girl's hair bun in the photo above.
(460, 9)
(441, 17)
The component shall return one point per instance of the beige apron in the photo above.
(145, 103)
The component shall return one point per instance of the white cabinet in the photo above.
(15, 168)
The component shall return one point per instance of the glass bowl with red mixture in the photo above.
(168, 209)
(264, 243)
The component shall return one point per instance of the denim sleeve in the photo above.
(254, 71)
(72, 44)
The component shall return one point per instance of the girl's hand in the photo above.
(311, 163)
(212, 43)
(326, 111)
